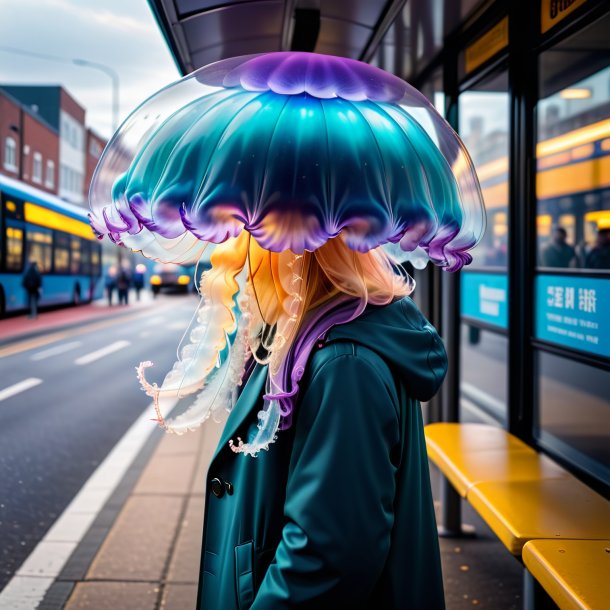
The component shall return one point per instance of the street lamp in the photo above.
(114, 77)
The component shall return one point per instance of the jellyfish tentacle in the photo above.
(215, 324)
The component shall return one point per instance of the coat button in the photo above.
(229, 487)
(217, 486)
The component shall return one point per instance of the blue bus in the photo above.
(37, 226)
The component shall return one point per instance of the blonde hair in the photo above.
(273, 307)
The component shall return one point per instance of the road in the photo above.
(64, 404)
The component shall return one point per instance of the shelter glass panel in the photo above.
(573, 152)
(483, 374)
(484, 126)
(574, 412)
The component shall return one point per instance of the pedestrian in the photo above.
(110, 284)
(32, 282)
(599, 255)
(138, 280)
(318, 494)
(558, 253)
(123, 281)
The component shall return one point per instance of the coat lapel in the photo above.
(247, 400)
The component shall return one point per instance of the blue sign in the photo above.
(484, 297)
(574, 312)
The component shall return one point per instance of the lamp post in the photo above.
(114, 77)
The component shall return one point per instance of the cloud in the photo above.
(122, 35)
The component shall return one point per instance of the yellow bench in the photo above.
(570, 570)
(521, 494)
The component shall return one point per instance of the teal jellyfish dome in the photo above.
(295, 148)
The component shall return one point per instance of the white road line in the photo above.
(28, 586)
(55, 351)
(155, 320)
(17, 388)
(100, 353)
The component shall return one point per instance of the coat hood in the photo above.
(406, 341)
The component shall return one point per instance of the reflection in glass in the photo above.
(574, 411)
(573, 152)
(483, 371)
(484, 127)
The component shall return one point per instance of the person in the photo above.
(599, 255)
(305, 339)
(123, 281)
(32, 282)
(138, 280)
(558, 253)
(110, 284)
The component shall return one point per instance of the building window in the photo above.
(95, 149)
(49, 181)
(37, 168)
(10, 154)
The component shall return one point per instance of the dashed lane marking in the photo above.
(30, 344)
(101, 353)
(21, 386)
(62, 348)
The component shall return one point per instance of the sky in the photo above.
(121, 34)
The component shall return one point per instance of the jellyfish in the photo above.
(266, 158)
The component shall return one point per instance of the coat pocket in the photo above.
(244, 576)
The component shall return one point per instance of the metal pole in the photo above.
(114, 77)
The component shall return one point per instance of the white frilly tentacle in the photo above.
(266, 432)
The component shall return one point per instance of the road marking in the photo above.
(28, 586)
(55, 351)
(155, 320)
(17, 388)
(104, 351)
(29, 344)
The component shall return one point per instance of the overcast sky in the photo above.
(122, 34)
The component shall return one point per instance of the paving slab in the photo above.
(184, 565)
(114, 596)
(167, 474)
(139, 543)
(179, 597)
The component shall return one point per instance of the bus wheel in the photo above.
(76, 295)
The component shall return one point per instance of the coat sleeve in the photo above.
(340, 492)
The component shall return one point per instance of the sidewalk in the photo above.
(143, 551)
(149, 556)
(56, 319)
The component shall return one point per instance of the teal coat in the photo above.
(338, 513)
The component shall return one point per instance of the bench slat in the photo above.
(468, 454)
(575, 573)
(518, 511)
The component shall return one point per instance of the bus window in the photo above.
(39, 249)
(75, 243)
(13, 207)
(95, 259)
(61, 253)
(14, 249)
(85, 258)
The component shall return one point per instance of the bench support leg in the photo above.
(534, 596)
(451, 513)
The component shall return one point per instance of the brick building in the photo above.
(94, 147)
(53, 108)
(29, 145)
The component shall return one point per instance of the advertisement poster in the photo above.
(484, 297)
(574, 312)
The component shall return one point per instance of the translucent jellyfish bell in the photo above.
(296, 149)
